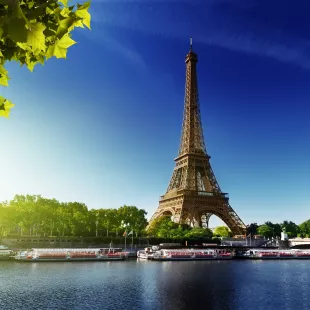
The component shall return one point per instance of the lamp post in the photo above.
(97, 222)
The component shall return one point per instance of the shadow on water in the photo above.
(193, 285)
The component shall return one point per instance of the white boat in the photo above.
(191, 254)
(277, 254)
(147, 253)
(70, 255)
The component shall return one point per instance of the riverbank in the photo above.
(26, 242)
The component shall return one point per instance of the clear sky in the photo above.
(103, 126)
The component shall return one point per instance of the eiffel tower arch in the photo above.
(193, 194)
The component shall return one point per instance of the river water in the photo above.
(237, 284)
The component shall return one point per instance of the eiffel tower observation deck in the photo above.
(193, 194)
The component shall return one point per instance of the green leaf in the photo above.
(16, 9)
(3, 76)
(5, 107)
(82, 12)
(65, 12)
(31, 31)
(49, 11)
(30, 64)
(24, 46)
(64, 25)
(77, 23)
(17, 29)
(36, 37)
(59, 49)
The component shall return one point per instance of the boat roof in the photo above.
(71, 249)
(278, 250)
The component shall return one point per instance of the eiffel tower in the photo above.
(193, 194)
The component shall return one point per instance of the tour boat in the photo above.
(70, 255)
(191, 254)
(276, 254)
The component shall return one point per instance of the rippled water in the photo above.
(156, 285)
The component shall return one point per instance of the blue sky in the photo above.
(103, 126)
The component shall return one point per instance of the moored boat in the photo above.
(191, 254)
(276, 254)
(70, 255)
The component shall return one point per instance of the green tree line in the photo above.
(33, 215)
(269, 229)
(164, 227)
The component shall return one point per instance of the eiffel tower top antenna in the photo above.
(191, 43)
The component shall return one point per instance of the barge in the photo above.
(174, 251)
(191, 254)
(276, 254)
(71, 255)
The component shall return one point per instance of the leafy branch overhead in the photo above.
(32, 31)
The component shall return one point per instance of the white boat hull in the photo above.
(143, 255)
(191, 255)
(276, 254)
(98, 259)
(70, 255)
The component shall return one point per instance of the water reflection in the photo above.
(156, 285)
(189, 285)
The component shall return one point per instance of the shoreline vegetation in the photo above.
(35, 218)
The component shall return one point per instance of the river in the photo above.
(237, 284)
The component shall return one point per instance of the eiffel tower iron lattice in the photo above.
(193, 194)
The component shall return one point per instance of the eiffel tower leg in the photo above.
(191, 218)
(197, 220)
(177, 216)
(205, 219)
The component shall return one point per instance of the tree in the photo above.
(166, 228)
(199, 232)
(305, 228)
(222, 231)
(265, 230)
(276, 228)
(133, 218)
(155, 225)
(108, 220)
(33, 31)
(33, 215)
(252, 229)
(291, 228)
